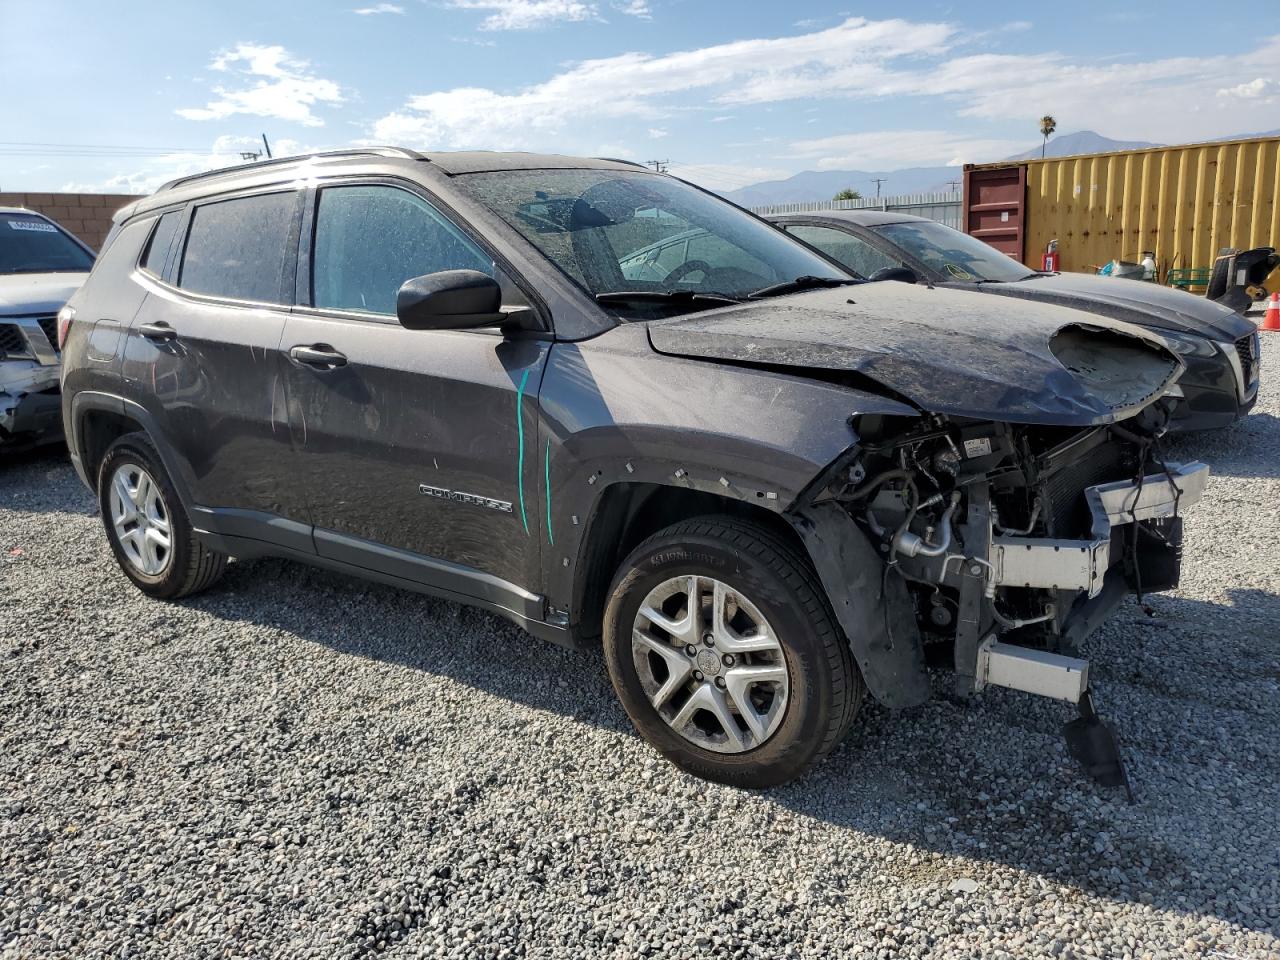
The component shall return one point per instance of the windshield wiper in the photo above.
(799, 283)
(664, 296)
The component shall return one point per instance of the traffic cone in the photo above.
(1272, 320)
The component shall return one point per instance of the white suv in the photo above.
(41, 266)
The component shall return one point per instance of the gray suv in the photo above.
(766, 486)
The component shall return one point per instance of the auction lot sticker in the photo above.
(39, 226)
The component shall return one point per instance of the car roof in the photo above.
(861, 218)
(24, 210)
(360, 160)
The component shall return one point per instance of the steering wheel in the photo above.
(682, 271)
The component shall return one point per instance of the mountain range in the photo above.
(814, 185)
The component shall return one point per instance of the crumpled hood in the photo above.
(946, 351)
(28, 293)
(1133, 301)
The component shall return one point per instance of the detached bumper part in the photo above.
(1063, 564)
(1032, 671)
(30, 405)
(1089, 566)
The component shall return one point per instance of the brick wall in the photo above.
(87, 215)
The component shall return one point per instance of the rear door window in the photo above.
(370, 239)
(854, 252)
(238, 248)
(158, 246)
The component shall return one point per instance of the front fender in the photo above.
(614, 411)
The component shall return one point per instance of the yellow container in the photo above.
(1184, 203)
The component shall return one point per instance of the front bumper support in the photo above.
(1064, 564)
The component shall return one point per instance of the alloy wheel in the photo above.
(140, 519)
(710, 664)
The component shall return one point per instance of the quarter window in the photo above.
(237, 248)
(158, 246)
(371, 239)
(854, 252)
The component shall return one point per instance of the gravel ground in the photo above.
(302, 765)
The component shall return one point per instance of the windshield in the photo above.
(615, 232)
(952, 255)
(31, 244)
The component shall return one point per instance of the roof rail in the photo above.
(630, 163)
(401, 152)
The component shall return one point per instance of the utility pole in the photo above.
(877, 181)
(266, 146)
(659, 166)
(954, 185)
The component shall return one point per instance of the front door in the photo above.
(416, 449)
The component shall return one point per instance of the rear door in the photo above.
(417, 450)
(203, 351)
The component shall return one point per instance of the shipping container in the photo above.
(1183, 203)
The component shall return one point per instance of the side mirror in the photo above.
(903, 274)
(450, 300)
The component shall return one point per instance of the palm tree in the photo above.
(847, 194)
(1047, 126)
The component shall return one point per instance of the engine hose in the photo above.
(1008, 624)
(897, 473)
(915, 546)
(905, 526)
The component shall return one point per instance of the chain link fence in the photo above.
(943, 207)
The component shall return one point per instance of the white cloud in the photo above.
(1165, 100)
(657, 133)
(1176, 99)
(1256, 89)
(636, 8)
(524, 14)
(223, 152)
(889, 149)
(282, 87)
(378, 8)
(629, 84)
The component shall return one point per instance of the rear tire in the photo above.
(146, 525)
(786, 688)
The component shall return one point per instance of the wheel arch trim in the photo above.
(90, 401)
(875, 611)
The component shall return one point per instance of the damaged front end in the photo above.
(30, 411)
(1012, 538)
(996, 548)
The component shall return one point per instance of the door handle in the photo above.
(159, 331)
(318, 355)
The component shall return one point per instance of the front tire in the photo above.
(725, 654)
(146, 525)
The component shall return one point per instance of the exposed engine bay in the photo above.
(1014, 542)
(1037, 521)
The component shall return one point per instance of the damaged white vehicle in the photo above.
(41, 266)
